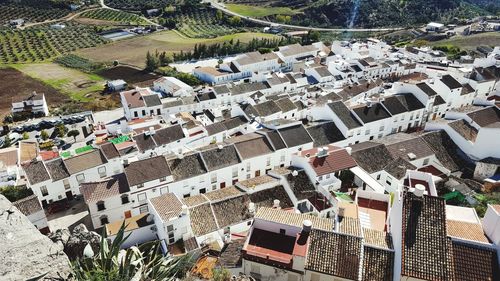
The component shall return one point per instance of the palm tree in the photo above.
(137, 263)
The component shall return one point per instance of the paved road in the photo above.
(221, 7)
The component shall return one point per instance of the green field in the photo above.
(79, 86)
(259, 11)
(133, 51)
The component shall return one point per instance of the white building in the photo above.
(172, 86)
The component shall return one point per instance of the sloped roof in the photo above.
(292, 218)
(474, 262)
(295, 135)
(168, 135)
(28, 205)
(485, 116)
(426, 89)
(252, 145)
(202, 219)
(146, 170)
(109, 150)
(216, 158)
(285, 104)
(189, 166)
(373, 113)
(336, 160)
(56, 169)
(36, 172)
(378, 264)
(96, 191)
(334, 254)
(301, 185)
(84, 161)
(450, 82)
(167, 206)
(231, 211)
(344, 114)
(325, 133)
(372, 157)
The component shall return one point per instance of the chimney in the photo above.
(295, 173)
(220, 146)
(184, 210)
(125, 162)
(276, 204)
(349, 150)
(306, 226)
(419, 190)
(251, 208)
(151, 130)
(341, 211)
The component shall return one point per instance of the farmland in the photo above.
(40, 43)
(30, 11)
(74, 61)
(133, 51)
(259, 11)
(472, 41)
(138, 5)
(82, 90)
(201, 23)
(15, 83)
(114, 16)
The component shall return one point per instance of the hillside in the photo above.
(380, 13)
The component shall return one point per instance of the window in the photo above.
(104, 220)
(186, 195)
(125, 199)
(248, 176)
(381, 128)
(248, 167)
(44, 190)
(282, 157)
(102, 171)
(268, 161)
(411, 116)
(320, 178)
(393, 131)
(100, 206)
(143, 209)
(135, 114)
(80, 178)
(213, 178)
(388, 181)
(143, 112)
(235, 172)
(142, 197)
(367, 132)
(203, 190)
(170, 228)
(358, 132)
(163, 190)
(426, 161)
(378, 177)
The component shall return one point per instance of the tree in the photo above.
(151, 62)
(143, 262)
(61, 130)
(6, 141)
(74, 134)
(235, 21)
(219, 15)
(26, 136)
(44, 135)
(221, 274)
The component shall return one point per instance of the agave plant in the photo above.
(137, 263)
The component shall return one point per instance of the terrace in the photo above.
(275, 248)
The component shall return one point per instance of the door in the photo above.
(44, 203)
(128, 214)
(222, 184)
(434, 116)
(69, 195)
(257, 173)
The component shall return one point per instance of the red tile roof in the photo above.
(336, 160)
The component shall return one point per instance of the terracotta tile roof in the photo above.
(146, 170)
(56, 169)
(192, 201)
(133, 98)
(28, 205)
(292, 218)
(334, 254)
(8, 157)
(377, 238)
(109, 150)
(36, 172)
(131, 223)
(372, 157)
(144, 142)
(301, 185)
(217, 158)
(255, 182)
(253, 147)
(168, 135)
(96, 191)
(167, 206)
(231, 211)
(189, 166)
(425, 253)
(231, 255)
(27, 151)
(223, 193)
(466, 230)
(202, 220)
(351, 226)
(84, 161)
(485, 116)
(474, 263)
(266, 197)
(465, 130)
(496, 208)
(378, 264)
(335, 161)
(295, 135)
(325, 133)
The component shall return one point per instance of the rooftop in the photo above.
(146, 170)
(167, 206)
(292, 218)
(100, 190)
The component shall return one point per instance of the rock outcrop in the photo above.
(74, 243)
(25, 252)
